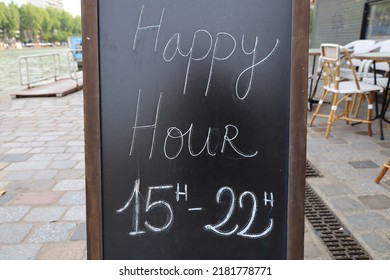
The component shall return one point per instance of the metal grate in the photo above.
(341, 244)
(311, 172)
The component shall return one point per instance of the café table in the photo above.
(378, 57)
(313, 52)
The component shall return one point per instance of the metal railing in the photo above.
(51, 71)
(73, 64)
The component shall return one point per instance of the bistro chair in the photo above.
(382, 69)
(359, 46)
(342, 91)
(368, 78)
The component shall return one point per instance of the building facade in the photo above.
(345, 21)
(47, 3)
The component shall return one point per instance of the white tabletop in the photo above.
(377, 56)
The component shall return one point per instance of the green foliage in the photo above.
(76, 26)
(30, 21)
(3, 9)
(37, 24)
(13, 20)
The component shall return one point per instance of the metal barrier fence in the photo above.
(30, 73)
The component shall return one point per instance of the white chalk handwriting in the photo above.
(204, 43)
(166, 205)
(176, 137)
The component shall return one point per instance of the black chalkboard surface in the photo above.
(195, 128)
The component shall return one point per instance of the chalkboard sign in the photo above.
(193, 120)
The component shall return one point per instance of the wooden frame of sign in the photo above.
(284, 209)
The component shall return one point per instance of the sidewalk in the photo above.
(349, 161)
(42, 213)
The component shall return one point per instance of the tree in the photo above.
(12, 20)
(3, 10)
(76, 30)
(66, 20)
(34, 23)
(46, 27)
(54, 15)
(30, 21)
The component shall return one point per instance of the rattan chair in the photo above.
(333, 56)
(365, 69)
(359, 46)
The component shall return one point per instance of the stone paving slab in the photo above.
(377, 242)
(45, 214)
(30, 186)
(52, 232)
(80, 233)
(346, 204)
(13, 214)
(17, 175)
(35, 198)
(363, 164)
(368, 221)
(75, 213)
(28, 165)
(19, 251)
(72, 250)
(378, 201)
(12, 233)
(5, 198)
(15, 157)
(72, 198)
(70, 185)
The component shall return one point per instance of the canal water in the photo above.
(9, 68)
